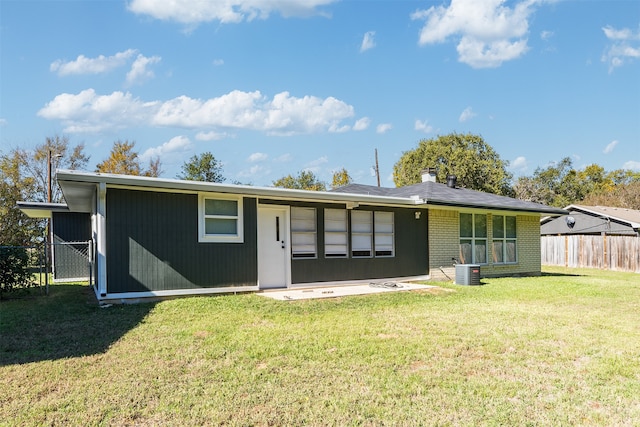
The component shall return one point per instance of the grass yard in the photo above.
(561, 349)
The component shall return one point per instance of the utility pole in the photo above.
(377, 168)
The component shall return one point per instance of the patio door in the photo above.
(273, 246)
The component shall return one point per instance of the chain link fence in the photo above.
(37, 266)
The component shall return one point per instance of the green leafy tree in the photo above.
(203, 167)
(124, 160)
(341, 178)
(560, 184)
(474, 162)
(24, 177)
(306, 180)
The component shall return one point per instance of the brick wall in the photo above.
(444, 243)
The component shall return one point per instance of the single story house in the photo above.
(158, 237)
(593, 220)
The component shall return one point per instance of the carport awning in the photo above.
(41, 209)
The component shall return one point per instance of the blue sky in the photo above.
(272, 87)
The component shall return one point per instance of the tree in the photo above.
(306, 180)
(559, 184)
(341, 178)
(203, 167)
(474, 162)
(24, 177)
(33, 164)
(16, 229)
(124, 160)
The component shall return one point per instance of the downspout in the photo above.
(101, 225)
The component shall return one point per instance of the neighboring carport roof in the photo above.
(630, 216)
(41, 209)
(432, 193)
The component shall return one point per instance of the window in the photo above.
(504, 239)
(473, 238)
(335, 233)
(383, 238)
(361, 233)
(220, 218)
(372, 234)
(303, 232)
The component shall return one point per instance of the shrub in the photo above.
(14, 269)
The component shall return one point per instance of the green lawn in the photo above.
(562, 349)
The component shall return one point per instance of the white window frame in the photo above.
(302, 233)
(336, 233)
(362, 232)
(474, 238)
(383, 232)
(504, 239)
(203, 237)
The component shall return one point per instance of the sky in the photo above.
(274, 87)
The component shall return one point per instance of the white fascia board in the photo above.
(67, 178)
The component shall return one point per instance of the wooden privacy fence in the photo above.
(601, 251)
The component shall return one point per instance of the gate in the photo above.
(72, 261)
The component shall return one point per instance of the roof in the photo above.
(78, 189)
(433, 193)
(593, 220)
(41, 209)
(630, 216)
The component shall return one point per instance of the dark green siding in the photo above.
(152, 245)
(71, 226)
(411, 252)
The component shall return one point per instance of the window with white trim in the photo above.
(220, 218)
(335, 233)
(303, 232)
(361, 233)
(504, 239)
(383, 235)
(473, 238)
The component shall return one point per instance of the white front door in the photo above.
(273, 246)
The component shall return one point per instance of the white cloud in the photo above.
(285, 158)
(625, 46)
(139, 71)
(519, 164)
(231, 11)
(423, 126)
(546, 35)
(467, 114)
(282, 115)
(257, 157)
(362, 124)
(315, 164)
(90, 112)
(175, 145)
(99, 65)
(367, 41)
(218, 62)
(383, 128)
(3, 122)
(211, 136)
(631, 164)
(488, 33)
(254, 171)
(610, 147)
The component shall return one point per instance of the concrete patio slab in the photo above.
(341, 291)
